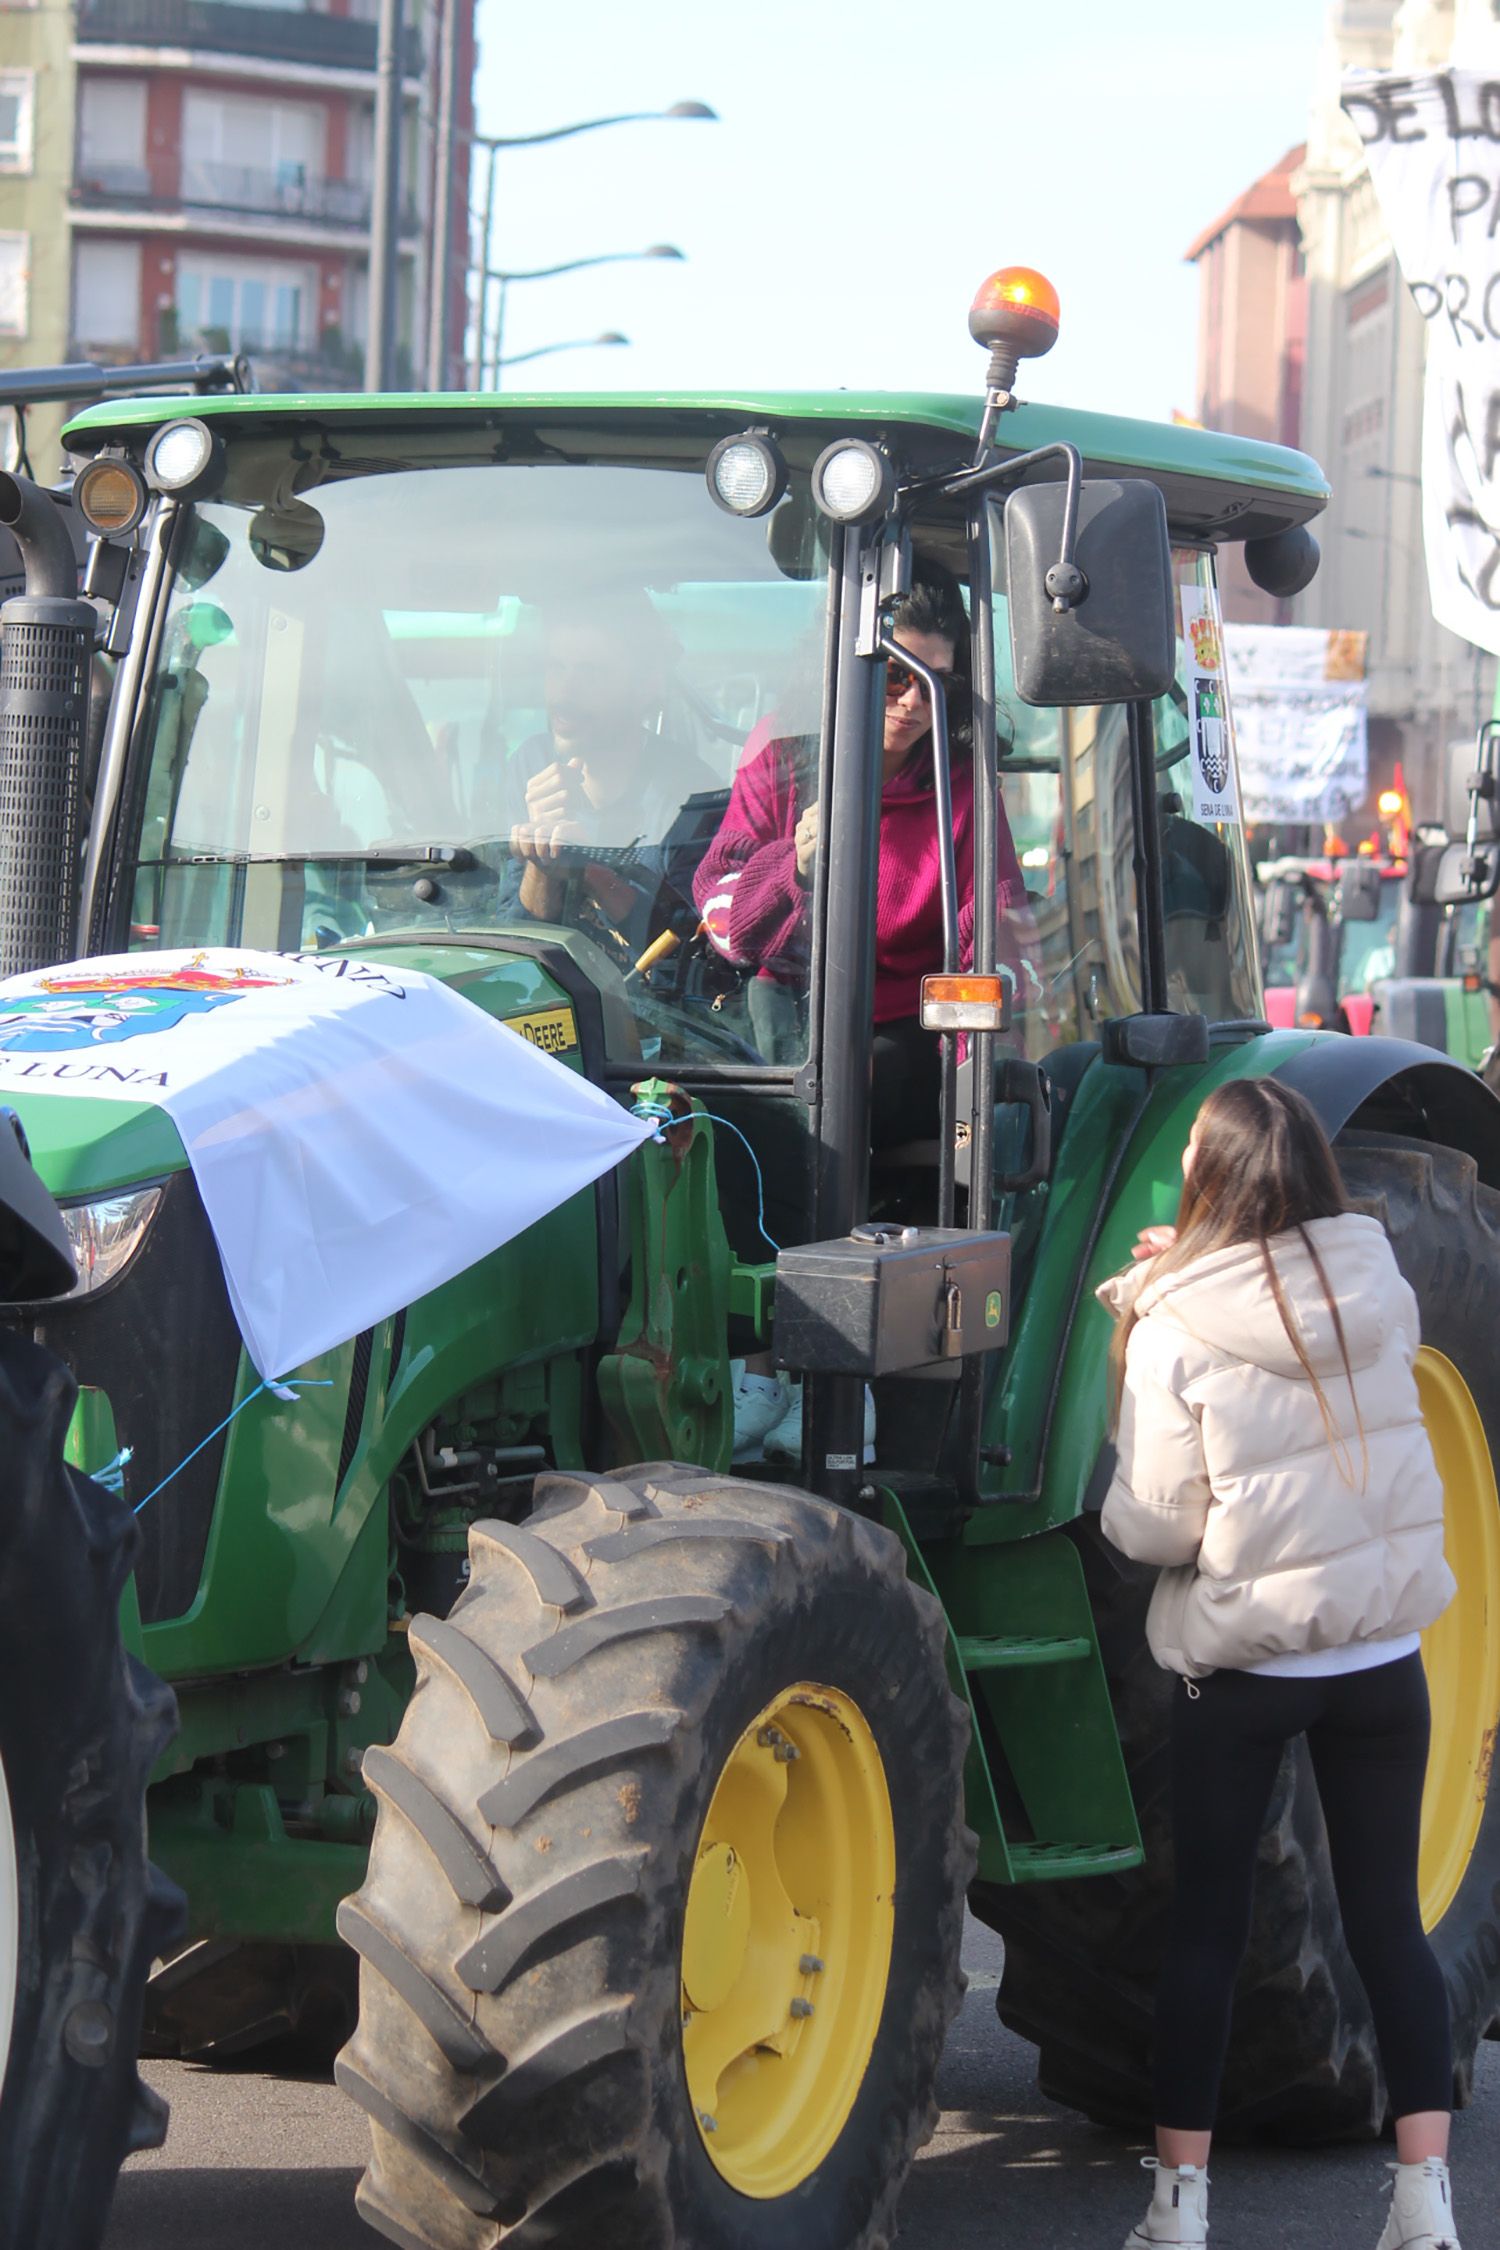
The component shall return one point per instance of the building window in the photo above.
(244, 153)
(111, 157)
(17, 88)
(244, 304)
(15, 277)
(107, 297)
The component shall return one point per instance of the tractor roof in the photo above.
(1215, 485)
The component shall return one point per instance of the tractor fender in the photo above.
(1393, 1085)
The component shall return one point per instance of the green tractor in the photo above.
(645, 1794)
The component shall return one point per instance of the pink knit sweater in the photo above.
(757, 910)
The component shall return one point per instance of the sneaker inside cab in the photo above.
(760, 1402)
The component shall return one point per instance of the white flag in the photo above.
(1433, 145)
(358, 1134)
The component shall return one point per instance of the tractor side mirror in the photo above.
(1465, 874)
(1278, 914)
(1119, 642)
(1423, 865)
(1359, 891)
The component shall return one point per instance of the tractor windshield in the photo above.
(472, 697)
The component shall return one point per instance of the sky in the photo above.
(870, 166)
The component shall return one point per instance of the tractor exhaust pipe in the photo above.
(34, 521)
(47, 637)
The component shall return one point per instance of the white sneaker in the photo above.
(760, 1402)
(784, 1442)
(1179, 2207)
(1421, 2208)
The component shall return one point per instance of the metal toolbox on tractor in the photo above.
(885, 1300)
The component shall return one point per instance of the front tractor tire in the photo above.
(81, 1912)
(659, 1941)
(1081, 1958)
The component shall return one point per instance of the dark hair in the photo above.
(936, 605)
(1261, 1166)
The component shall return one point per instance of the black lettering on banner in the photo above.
(1486, 124)
(1491, 433)
(1456, 301)
(1481, 584)
(1389, 113)
(1427, 297)
(1468, 192)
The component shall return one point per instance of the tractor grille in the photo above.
(165, 1347)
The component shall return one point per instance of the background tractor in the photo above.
(647, 1797)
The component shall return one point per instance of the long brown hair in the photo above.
(1261, 1166)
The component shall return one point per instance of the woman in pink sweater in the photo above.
(754, 886)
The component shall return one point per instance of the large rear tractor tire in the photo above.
(1081, 1958)
(81, 1912)
(661, 1929)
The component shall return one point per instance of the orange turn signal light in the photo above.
(1471, 982)
(966, 1003)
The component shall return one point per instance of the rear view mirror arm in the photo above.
(1065, 582)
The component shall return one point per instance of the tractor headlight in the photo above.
(179, 455)
(107, 1234)
(853, 482)
(747, 475)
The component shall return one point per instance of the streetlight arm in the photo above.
(578, 344)
(594, 125)
(577, 265)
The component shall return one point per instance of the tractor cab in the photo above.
(481, 680)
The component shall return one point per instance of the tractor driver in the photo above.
(755, 883)
(605, 777)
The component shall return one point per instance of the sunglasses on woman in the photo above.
(898, 680)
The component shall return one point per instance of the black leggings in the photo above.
(1367, 1732)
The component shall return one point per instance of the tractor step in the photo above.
(1002, 1651)
(1057, 1863)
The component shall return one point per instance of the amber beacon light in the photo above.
(1015, 316)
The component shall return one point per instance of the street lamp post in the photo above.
(492, 143)
(547, 273)
(578, 344)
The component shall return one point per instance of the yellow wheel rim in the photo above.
(786, 1946)
(1462, 1650)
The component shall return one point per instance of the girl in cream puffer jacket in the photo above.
(1272, 1459)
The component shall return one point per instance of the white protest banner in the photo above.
(1211, 758)
(1433, 146)
(358, 1134)
(1300, 720)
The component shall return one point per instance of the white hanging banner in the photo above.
(1432, 142)
(1214, 798)
(1300, 724)
(358, 1134)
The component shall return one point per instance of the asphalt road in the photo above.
(262, 2162)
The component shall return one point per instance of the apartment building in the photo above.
(1252, 333)
(180, 176)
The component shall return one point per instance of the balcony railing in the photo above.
(229, 27)
(250, 191)
(290, 192)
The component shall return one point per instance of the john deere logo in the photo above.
(993, 1309)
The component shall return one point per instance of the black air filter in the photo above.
(45, 645)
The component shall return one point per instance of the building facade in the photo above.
(201, 178)
(1362, 409)
(1252, 323)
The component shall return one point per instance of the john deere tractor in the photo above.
(646, 1794)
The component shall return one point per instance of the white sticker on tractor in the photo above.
(1214, 795)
